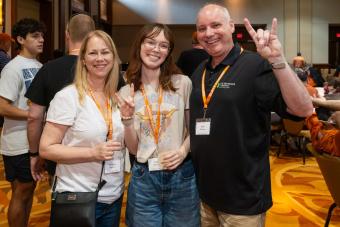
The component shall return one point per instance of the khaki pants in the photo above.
(213, 218)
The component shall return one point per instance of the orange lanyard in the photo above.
(108, 116)
(154, 126)
(206, 100)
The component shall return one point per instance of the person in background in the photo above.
(16, 78)
(5, 45)
(190, 59)
(314, 78)
(50, 79)
(336, 86)
(303, 77)
(325, 135)
(83, 131)
(154, 110)
(230, 105)
(57, 53)
(299, 61)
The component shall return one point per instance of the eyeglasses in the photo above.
(152, 44)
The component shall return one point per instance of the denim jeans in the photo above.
(108, 215)
(163, 198)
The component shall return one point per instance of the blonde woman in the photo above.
(83, 129)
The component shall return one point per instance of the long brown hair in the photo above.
(168, 67)
(111, 82)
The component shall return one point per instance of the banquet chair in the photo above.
(330, 170)
(294, 129)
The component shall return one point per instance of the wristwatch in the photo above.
(278, 65)
(33, 154)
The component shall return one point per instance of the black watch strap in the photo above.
(33, 154)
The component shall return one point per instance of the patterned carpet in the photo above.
(300, 195)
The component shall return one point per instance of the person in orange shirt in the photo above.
(325, 136)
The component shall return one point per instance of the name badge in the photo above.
(203, 126)
(154, 164)
(112, 166)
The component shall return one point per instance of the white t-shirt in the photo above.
(172, 130)
(87, 129)
(16, 77)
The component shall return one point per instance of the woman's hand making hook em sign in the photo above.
(126, 105)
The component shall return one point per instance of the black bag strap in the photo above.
(100, 184)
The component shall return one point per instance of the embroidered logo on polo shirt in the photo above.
(225, 85)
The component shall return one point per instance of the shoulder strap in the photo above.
(100, 184)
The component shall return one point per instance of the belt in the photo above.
(187, 158)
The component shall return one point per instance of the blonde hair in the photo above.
(81, 73)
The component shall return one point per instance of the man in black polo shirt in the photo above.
(50, 79)
(230, 120)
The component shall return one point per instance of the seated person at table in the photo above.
(314, 78)
(325, 136)
(303, 77)
(334, 86)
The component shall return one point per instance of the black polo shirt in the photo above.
(232, 163)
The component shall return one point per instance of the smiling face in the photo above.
(214, 30)
(98, 57)
(154, 50)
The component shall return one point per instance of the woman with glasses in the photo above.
(154, 111)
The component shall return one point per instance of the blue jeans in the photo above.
(108, 215)
(163, 198)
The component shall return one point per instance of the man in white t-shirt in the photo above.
(16, 77)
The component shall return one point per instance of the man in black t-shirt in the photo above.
(50, 79)
(230, 106)
(190, 59)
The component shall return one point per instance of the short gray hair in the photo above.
(217, 5)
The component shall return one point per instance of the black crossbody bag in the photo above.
(71, 209)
